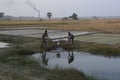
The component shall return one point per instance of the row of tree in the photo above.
(74, 16)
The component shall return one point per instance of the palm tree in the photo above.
(49, 15)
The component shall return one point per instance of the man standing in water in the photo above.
(70, 37)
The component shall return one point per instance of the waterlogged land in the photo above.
(15, 60)
(16, 64)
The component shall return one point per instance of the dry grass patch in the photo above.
(102, 25)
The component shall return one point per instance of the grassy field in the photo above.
(101, 25)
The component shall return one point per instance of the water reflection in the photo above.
(58, 55)
(44, 58)
(85, 62)
(70, 57)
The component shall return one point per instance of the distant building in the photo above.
(1, 14)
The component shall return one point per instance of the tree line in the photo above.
(74, 16)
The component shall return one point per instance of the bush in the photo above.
(21, 51)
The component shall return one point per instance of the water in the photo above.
(3, 45)
(37, 32)
(98, 66)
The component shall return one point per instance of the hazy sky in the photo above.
(61, 8)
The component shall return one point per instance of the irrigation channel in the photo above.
(100, 67)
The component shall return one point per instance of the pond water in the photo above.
(3, 45)
(100, 67)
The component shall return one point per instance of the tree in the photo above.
(74, 16)
(1, 14)
(49, 15)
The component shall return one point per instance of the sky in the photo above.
(61, 8)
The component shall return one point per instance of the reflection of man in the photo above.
(70, 57)
(44, 59)
(58, 55)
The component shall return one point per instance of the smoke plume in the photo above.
(32, 5)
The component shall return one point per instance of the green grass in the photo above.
(67, 74)
(105, 50)
(93, 48)
(15, 39)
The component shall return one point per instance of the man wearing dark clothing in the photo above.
(44, 37)
(70, 37)
(46, 34)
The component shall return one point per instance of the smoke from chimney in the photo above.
(32, 5)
